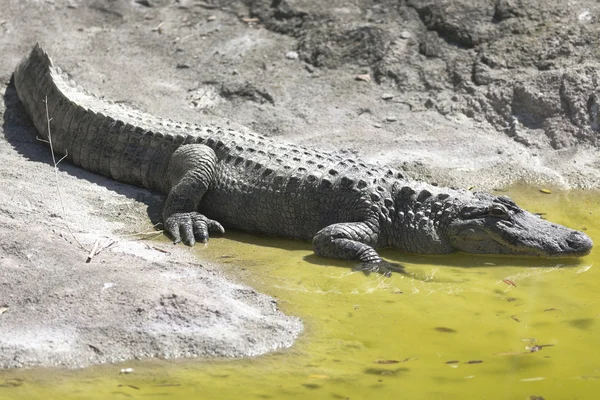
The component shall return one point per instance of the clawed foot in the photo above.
(191, 227)
(380, 267)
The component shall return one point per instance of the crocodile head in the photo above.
(496, 225)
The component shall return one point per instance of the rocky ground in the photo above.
(461, 92)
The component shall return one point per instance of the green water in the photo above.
(450, 327)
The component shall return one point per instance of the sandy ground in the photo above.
(462, 93)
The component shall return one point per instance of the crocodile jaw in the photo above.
(524, 234)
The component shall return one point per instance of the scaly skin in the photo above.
(252, 183)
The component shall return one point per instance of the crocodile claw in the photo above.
(191, 227)
(380, 267)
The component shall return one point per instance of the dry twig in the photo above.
(56, 174)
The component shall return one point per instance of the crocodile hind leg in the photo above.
(353, 241)
(190, 173)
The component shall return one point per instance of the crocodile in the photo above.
(215, 177)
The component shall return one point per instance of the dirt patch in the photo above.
(460, 93)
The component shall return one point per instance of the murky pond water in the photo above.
(450, 327)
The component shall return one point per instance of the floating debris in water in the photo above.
(545, 191)
(552, 309)
(515, 318)
(126, 370)
(474, 362)
(536, 348)
(509, 282)
(130, 386)
(530, 349)
(410, 359)
(444, 329)
(396, 361)
(452, 362)
(537, 378)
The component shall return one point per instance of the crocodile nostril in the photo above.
(580, 242)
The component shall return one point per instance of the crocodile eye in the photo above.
(499, 211)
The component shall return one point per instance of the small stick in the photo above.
(56, 174)
(108, 246)
(153, 233)
(93, 252)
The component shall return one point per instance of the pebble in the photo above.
(292, 55)
(584, 16)
(377, 126)
(405, 35)
(387, 96)
(363, 77)
(212, 18)
(391, 118)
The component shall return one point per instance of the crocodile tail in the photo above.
(100, 136)
(32, 73)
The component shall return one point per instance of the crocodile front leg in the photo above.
(353, 241)
(190, 173)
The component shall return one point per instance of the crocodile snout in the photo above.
(579, 243)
